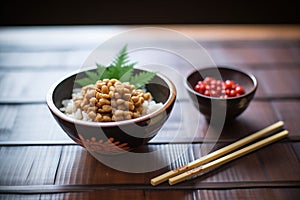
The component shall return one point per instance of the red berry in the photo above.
(240, 90)
(219, 83)
(213, 82)
(197, 88)
(209, 79)
(227, 91)
(213, 86)
(223, 92)
(202, 88)
(207, 93)
(217, 88)
(229, 84)
(213, 93)
(232, 93)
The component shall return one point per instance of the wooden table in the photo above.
(38, 160)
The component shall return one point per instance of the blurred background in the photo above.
(113, 12)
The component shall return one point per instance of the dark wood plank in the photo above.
(280, 83)
(280, 162)
(257, 116)
(39, 59)
(288, 111)
(52, 189)
(29, 165)
(255, 167)
(78, 172)
(262, 165)
(71, 37)
(267, 78)
(243, 169)
(32, 85)
(27, 86)
(32, 122)
(255, 55)
(88, 170)
(247, 123)
(268, 43)
(20, 196)
(49, 38)
(73, 59)
(296, 147)
(177, 194)
(104, 194)
(263, 193)
(34, 90)
(260, 193)
(74, 165)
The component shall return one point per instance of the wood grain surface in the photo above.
(39, 161)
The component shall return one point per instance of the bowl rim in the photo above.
(226, 67)
(60, 114)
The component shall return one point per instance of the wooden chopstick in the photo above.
(228, 158)
(216, 154)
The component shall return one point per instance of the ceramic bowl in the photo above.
(112, 137)
(222, 108)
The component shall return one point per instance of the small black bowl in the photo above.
(112, 137)
(222, 108)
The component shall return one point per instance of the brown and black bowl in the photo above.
(112, 137)
(225, 109)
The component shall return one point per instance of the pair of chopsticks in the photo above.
(215, 158)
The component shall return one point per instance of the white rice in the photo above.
(70, 110)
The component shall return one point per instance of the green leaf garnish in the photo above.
(120, 69)
(141, 79)
(84, 81)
